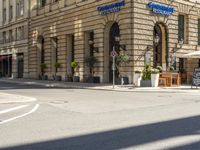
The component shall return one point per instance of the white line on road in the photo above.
(17, 117)
(13, 109)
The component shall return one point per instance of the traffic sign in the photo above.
(113, 53)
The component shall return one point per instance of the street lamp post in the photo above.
(180, 44)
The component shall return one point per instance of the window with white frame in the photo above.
(4, 11)
(42, 3)
(10, 12)
(20, 8)
(4, 37)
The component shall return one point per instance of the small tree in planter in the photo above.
(155, 73)
(122, 59)
(137, 78)
(146, 76)
(90, 62)
(57, 66)
(43, 68)
(74, 65)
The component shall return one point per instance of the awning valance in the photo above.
(195, 54)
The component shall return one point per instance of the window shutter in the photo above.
(198, 31)
(1, 37)
(181, 27)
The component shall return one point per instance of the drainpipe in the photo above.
(132, 38)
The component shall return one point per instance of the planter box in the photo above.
(121, 81)
(69, 79)
(137, 79)
(43, 77)
(145, 83)
(93, 79)
(58, 78)
(154, 80)
(76, 79)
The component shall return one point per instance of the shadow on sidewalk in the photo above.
(124, 138)
(42, 84)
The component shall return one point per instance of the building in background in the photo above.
(64, 31)
(14, 16)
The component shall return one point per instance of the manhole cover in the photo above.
(59, 102)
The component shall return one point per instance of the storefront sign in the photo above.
(111, 8)
(161, 9)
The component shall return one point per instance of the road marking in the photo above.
(13, 109)
(20, 116)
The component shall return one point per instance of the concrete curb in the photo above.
(102, 88)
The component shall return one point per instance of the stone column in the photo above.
(14, 65)
(14, 10)
(26, 11)
(7, 11)
(1, 13)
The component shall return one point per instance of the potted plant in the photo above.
(90, 62)
(146, 76)
(57, 77)
(160, 69)
(43, 68)
(137, 78)
(155, 73)
(69, 78)
(74, 65)
(122, 59)
(171, 68)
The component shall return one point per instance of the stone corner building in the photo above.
(62, 31)
(14, 16)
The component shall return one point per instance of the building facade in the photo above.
(155, 32)
(14, 16)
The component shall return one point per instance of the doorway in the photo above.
(111, 32)
(6, 66)
(20, 65)
(113, 43)
(160, 52)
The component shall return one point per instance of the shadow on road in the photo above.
(124, 138)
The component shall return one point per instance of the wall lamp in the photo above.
(156, 39)
(179, 45)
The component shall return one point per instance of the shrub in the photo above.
(90, 61)
(74, 64)
(123, 59)
(43, 66)
(159, 68)
(146, 73)
(57, 65)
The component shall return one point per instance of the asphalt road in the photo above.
(77, 119)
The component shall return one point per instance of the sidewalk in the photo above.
(102, 86)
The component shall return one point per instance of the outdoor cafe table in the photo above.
(171, 78)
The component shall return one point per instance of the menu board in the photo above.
(196, 77)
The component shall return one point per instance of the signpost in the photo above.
(113, 54)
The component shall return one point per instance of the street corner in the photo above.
(6, 98)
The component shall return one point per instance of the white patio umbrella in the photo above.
(195, 54)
